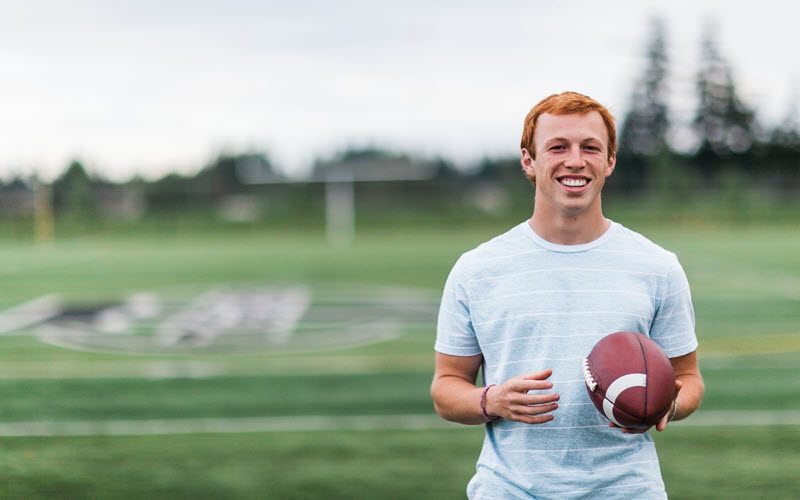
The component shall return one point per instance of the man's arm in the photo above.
(456, 398)
(692, 388)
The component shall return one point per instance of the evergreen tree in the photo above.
(783, 151)
(644, 132)
(73, 191)
(787, 134)
(726, 127)
(644, 129)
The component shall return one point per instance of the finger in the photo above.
(524, 393)
(525, 385)
(533, 414)
(531, 409)
(534, 420)
(662, 424)
(627, 430)
(540, 375)
(536, 409)
(678, 387)
(537, 399)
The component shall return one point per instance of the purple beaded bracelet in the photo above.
(483, 404)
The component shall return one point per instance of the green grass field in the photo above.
(335, 412)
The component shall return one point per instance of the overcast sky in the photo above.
(150, 87)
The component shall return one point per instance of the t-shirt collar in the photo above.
(612, 228)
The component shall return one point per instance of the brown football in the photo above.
(630, 379)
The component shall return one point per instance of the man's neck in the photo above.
(564, 230)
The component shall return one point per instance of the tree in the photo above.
(787, 134)
(73, 190)
(643, 135)
(783, 151)
(644, 132)
(726, 127)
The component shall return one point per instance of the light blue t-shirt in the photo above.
(527, 305)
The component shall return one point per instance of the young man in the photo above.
(527, 306)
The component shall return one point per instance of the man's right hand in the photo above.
(511, 400)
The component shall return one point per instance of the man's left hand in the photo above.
(662, 424)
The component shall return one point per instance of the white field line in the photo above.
(717, 418)
(30, 313)
(722, 418)
(224, 425)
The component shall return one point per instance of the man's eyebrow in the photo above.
(561, 139)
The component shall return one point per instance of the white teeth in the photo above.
(573, 182)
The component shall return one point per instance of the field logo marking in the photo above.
(275, 319)
(30, 313)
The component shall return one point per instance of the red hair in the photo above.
(567, 103)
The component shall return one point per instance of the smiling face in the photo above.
(571, 165)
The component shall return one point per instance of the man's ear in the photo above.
(527, 162)
(612, 162)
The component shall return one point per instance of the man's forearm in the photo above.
(690, 396)
(457, 400)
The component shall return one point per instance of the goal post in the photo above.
(43, 220)
(340, 211)
(339, 179)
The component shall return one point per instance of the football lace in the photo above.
(587, 375)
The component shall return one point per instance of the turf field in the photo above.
(120, 413)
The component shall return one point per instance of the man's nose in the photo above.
(575, 158)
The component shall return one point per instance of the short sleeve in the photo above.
(454, 332)
(674, 325)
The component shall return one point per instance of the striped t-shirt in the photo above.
(526, 305)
